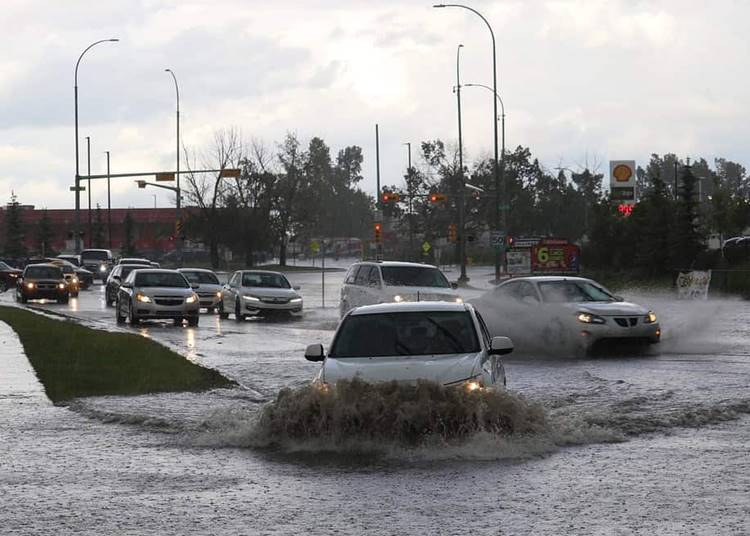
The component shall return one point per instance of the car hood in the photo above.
(444, 369)
(422, 293)
(270, 292)
(609, 308)
(165, 291)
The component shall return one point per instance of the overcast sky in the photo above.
(582, 81)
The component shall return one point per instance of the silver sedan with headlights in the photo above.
(156, 294)
(254, 292)
(571, 309)
(208, 287)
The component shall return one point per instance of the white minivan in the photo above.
(369, 283)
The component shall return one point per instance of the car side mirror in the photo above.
(315, 352)
(296, 287)
(454, 285)
(127, 285)
(619, 298)
(501, 346)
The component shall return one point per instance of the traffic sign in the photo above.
(497, 238)
(164, 177)
(426, 247)
(230, 172)
(80, 188)
(315, 247)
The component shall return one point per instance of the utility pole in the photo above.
(461, 183)
(109, 204)
(378, 205)
(178, 192)
(88, 185)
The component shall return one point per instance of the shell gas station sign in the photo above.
(622, 181)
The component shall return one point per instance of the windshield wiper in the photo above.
(453, 339)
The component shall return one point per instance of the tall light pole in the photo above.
(178, 192)
(502, 121)
(88, 185)
(500, 224)
(109, 205)
(78, 172)
(461, 196)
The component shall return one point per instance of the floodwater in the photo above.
(632, 443)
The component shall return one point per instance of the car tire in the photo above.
(193, 321)
(134, 320)
(221, 312)
(119, 317)
(238, 316)
(20, 298)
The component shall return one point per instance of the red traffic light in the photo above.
(378, 228)
(437, 197)
(390, 197)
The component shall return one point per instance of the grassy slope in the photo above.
(74, 361)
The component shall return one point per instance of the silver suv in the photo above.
(156, 294)
(368, 283)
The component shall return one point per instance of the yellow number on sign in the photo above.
(542, 255)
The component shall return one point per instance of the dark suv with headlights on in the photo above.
(42, 281)
(97, 261)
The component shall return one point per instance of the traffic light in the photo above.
(437, 197)
(391, 197)
(178, 227)
(378, 233)
(452, 233)
(510, 241)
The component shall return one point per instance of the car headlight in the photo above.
(459, 300)
(102, 268)
(191, 299)
(295, 300)
(75, 280)
(251, 298)
(218, 294)
(650, 318)
(29, 286)
(474, 384)
(398, 299)
(588, 318)
(61, 286)
(142, 298)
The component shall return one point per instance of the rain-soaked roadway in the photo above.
(650, 443)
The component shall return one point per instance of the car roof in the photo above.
(195, 270)
(153, 270)
(410, 307)
(45, 264)
(261, 272)
(95, 249)
(541, 278)
(397, 263)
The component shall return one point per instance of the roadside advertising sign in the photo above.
(622, 181)
(552, 256)
(519, 261)
(693, 285)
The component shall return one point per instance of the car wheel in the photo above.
(119, 317)
(20, 298)
(193, 321)
(134, 320)
(237, 315)
(222, 314)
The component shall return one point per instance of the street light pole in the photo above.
(178, 191)
(500, 252)
(461, 196)
(77, 234)
(88, 185)
(109, 205)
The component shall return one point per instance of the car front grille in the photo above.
(206, 294)
(46, 286)
(275, 300)
(625, 322)
(168, 302)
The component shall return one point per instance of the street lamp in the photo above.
(78, 173)
(461, 198)
(500, 252)
(177, 190)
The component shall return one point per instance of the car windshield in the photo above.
(413, 276)
(71, 260)
(206, 278)
(125, 271)
(43, 272)
(161, 279)
(570, 291)
(406, 333)
(259, 279)
(94, 256)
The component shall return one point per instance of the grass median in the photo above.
(75, 361)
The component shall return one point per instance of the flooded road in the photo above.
(634, 444)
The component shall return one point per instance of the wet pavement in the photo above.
(646, 443)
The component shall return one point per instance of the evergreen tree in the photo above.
(97, 232)
(128, 246)
(45, 235)
(14, 235)
(651, 222)
(685, 240)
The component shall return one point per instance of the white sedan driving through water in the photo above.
(567, 311)
(447, 343)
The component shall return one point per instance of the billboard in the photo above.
(555, 256)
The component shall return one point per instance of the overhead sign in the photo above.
(164, 177)
(79, 188)
(230, 172)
